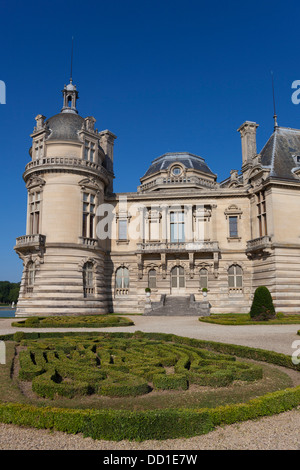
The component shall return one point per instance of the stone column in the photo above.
(188, 223)
(164, 223)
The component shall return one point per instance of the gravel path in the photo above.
(277, 432)
(274, 337)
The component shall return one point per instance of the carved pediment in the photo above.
(90, 183)
(233, 209)
(35, 181)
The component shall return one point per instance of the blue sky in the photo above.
(162, 75)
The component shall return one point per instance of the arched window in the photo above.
(30, 276)
(88, 279)
(235, 277)
(203, 278)
(122, 281)
(152, 279)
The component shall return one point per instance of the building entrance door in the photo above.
(177, 280)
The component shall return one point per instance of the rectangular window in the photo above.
(261, 214)
(233, 226)
(92, 152)
(86, 151)
(177, 227)
(34, 213)
(88, 215)
(122, 229)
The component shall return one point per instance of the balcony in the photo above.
(171, 247)
(89, 242)
(259, 244)
(50, 163)
(34, 242)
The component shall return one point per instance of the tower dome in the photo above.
(64, 126)
(178, 170)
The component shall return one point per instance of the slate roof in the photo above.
(64, 126)
(282, 153)
(187, 159)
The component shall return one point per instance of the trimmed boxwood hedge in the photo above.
(161, 424)
(118, 367)
(170, 382)
(70, 321)
(158, 424)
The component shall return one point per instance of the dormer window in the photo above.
(89, 151)
(38, 149)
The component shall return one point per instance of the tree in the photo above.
(9, 292)
(262, 307)
(14, 294)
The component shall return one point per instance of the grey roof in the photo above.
(280, 153)
(187, 159)
(64, 126)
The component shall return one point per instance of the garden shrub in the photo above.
(18, 336)
(170, 382)
(79, 321)
(262, 307)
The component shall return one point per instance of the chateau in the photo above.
(88, 250)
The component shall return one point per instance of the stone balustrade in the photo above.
(68, 162)
(151, 246)
(258, 243)
(26, 240)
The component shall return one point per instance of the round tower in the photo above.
(70, 171)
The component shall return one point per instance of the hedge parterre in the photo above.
(153, 424)
(119, 367)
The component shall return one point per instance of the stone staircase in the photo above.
(177, 306)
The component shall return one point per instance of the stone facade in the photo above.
(89, 250)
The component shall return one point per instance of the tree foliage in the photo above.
(9, 292)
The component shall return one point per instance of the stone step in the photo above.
(176, 306)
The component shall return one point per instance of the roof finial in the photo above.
(275, 115)
(71, 72)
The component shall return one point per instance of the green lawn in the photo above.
(245, 319)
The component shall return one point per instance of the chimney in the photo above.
(248, 136)
(107, 143)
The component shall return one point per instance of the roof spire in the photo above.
(275, 115)
(70, 93)
(71, 71)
